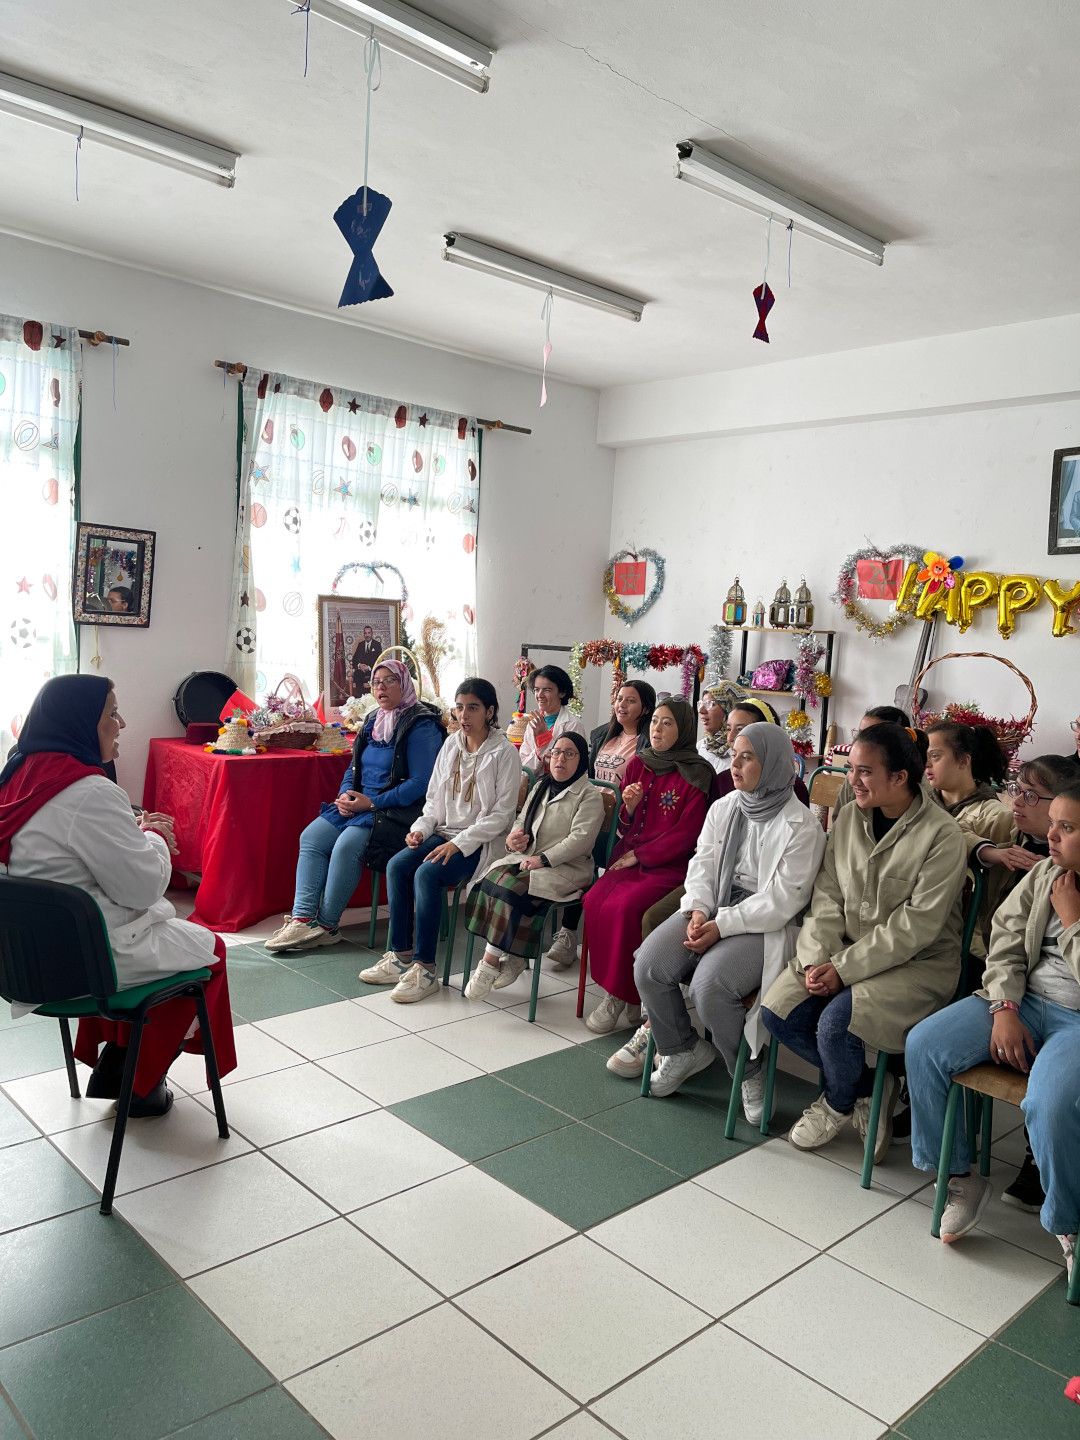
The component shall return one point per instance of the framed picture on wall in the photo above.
(114, 575)
(1065, 503)
(353, 633)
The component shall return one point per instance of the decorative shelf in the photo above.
(776, 630)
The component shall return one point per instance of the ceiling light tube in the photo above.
(416, 36)
(707, 171)
(475, 255)
(73, 115)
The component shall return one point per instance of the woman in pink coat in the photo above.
(665, 797)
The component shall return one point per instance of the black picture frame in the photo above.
(1064, 538)
(113, 579)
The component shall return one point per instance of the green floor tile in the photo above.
(579, 1175)
(138, 1372)
(571, 1081)
(605, 1045)
(36, 1182)
(997, 1393)
(10, 1429)
(337, 971)
(682, 1132)
(1048, 1331)
(14, 1126)
(69, 1267)
(479, 1117)
(30, 1049)
(273, 1415)
(260, 988)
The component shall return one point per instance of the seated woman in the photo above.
(880, 948)
(713, 745)
(61, 819)
(751, 876)
(1027, 1017)
(610, 747)
(553, 691)
(381, 794)
(665, 796)
(878, 715)
(471, 799)
(550, 862)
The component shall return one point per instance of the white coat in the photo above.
(87, 836)
(498, 776)
(565, 721)
(792, 846)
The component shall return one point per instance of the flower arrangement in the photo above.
(356, 710)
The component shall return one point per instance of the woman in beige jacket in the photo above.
(550, 863)
(880, 948)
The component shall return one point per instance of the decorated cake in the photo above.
(234, 738)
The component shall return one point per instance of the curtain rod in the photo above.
(237, 367)
(98, 337)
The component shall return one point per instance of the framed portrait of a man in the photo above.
(1065, 503)
(353, 633)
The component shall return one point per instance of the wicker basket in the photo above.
(1011, 733)
(290, 732)
(410, 659)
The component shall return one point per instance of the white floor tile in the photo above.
(720, 1386)
(304, 1299)
(435, 1375)
(495, 1040)
(895, 1172)
(399, 1069)
(442, 1008)
(582, 1316)
(1010, 1244)
(579, 1427)
(47, 1100)
(885, 1352)
(558, 1013)
(154, 1150)
(330, 1029)
(256, 1054)
(289, 1102)
(364, 1160)
(708, 1251)
(420, 1228)
(802, 1194)
(214, 1215)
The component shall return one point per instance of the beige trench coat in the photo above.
(1017, 936)
(887, 914)
(564, 829)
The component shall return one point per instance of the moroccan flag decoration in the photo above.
(630, 577)
(764, 299)
(879, 579)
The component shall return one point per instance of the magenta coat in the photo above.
(662, 834)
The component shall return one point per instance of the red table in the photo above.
(238, 823)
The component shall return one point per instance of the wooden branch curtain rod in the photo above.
(238, 368)
(98, 337)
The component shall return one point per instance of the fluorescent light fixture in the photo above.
(707, 171)
(475, 255)
(415, 35)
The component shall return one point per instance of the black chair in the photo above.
(55, 955)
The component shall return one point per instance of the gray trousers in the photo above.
(718, 981)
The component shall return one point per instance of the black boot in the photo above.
(151, 1107)
(105, 1078)
(1026, 1191)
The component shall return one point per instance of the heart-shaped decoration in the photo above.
(616, 604)
(848, 588)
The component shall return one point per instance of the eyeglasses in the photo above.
(1029, 797)
(1074, 726)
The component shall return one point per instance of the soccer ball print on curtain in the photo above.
(334, 478)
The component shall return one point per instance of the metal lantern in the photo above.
(758, 621)
(781, 604)
(801, 609)
(735, 605)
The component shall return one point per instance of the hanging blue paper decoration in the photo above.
(364, 281)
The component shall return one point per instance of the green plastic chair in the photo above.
(601, 855)
(55, 955)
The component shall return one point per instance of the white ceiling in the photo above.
(950, 131)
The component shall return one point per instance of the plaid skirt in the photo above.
(503, 913)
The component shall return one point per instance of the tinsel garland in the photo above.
(720, 643)
(692, 662)
(635, 655)
(577, 665)
(616, 605)
(823, 684)
(371, 567)
(642, 657)
(804, 684)
(847, 588)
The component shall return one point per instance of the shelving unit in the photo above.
(829, 639)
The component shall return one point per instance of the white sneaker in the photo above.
(417, 983)
(1068, 1245)
(562, 953)
(969, 1196)
(675, 1070)
(818, 1124)
(607, 1014)
(630, 1060)
(481, 980)
(512, 967)
(861, 1119)
(753, 1097)
(388, 971)
(292, 935)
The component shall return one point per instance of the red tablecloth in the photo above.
(238, 823)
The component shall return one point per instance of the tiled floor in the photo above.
(440, 1219)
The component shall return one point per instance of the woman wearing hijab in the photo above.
(63, 819)
(751, 876)
(665, 796)
(550, 863)
(382, 793)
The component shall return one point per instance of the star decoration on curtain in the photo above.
(260, 472)
(244, 600)
(345, 488)
(296, 564)
(412, 500)
(354, 406)
(23, 586)
(58, 342)
(422, 422)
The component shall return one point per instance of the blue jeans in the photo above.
(328, 870)
(958, 1037)
(818, 1031)
(413, 885)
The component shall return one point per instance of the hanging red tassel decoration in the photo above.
(764, 299)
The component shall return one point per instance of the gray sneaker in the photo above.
(293, 935)
(630, 1060)
(753, 1097)
(969, 1196)
(562, 952)
(512, 967)
(675, 1070)
(860, 1119)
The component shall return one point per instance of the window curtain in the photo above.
(40, 397)
(331, 479)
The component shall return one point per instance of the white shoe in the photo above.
(818, 1124)
(512, 967)
(630, 1060)
(675, 1070)
(417, 983)
(1068, 1245)
(388, 971)
(861, 1119)
(969, 1196)
(481, 980)
(292, 935)
(753, 1097)
(607, 1014)
(562, 953)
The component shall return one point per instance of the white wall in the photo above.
(164, 460)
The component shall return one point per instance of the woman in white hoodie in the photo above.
(470, 806)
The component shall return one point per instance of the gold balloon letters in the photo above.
(976, 590)
(1063, 601)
